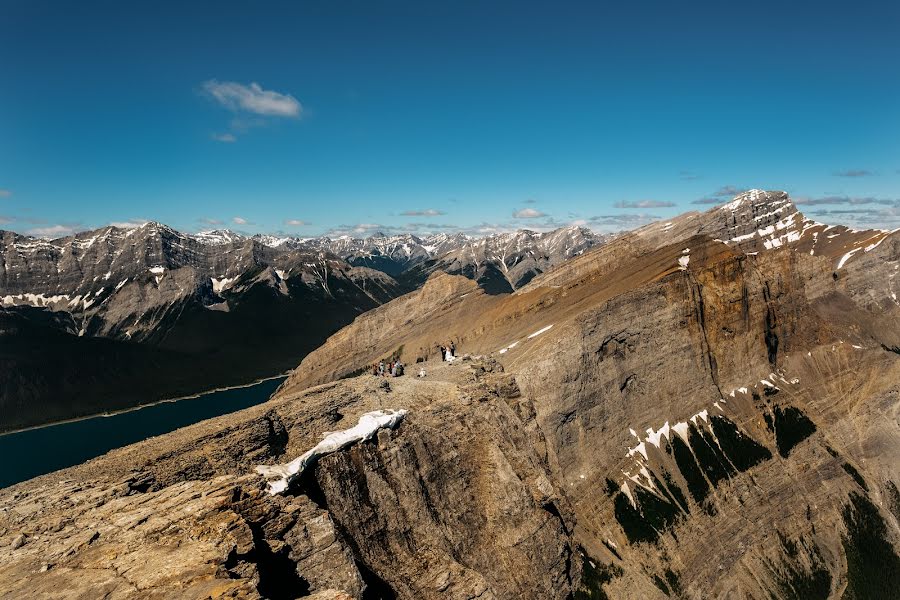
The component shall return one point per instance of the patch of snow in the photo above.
(875, 245)
(639, 449)
(33, 299)
(508, 348)
(281, 476)
(682, 430)
(627, 492)
(846, 257)
(654, 437)
(540, 331)
(219, 285)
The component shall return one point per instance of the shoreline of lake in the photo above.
(47, 448)
(146, 405)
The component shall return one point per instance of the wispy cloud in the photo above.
(4, 193)
(296, 223)
(623, 219)
(210, 221)
(689, 175)
(528, 213)
(362, 229)
(853, 200)
(252, 98)
(861, 211)
(883, 217)
(4, 219)
(853, 173)
(429, 212)
(129, 224)
(55, 231)
(240, 221)
(530, 201)
(643, 204)
(728, 191)
(226, 138)
(429, 227)
(612, 223)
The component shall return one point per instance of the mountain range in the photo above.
(115, 317)
(700, 408)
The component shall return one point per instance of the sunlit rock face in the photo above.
(673, 414)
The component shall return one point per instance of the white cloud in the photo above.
(129, 224)
(210, 221)
(54, 231)
(227, 138)
(238, 97)
(528, 213)
(4, 193)
(296, 223)
(364, 229)
(239, 220)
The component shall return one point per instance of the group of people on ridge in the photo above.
(448, 352)
(393, 368)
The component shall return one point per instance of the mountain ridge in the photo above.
(675, 413)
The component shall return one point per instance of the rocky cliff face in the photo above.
(675, 414)
(713, 400)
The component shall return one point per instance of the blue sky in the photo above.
(315, 117)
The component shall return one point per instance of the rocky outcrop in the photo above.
(456, 503)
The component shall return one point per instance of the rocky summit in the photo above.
(701, 408)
